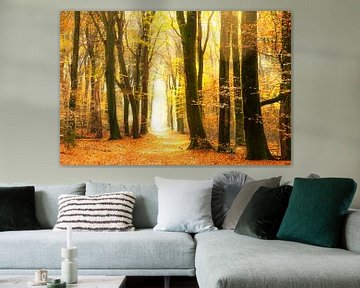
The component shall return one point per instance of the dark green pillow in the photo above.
(316, 211)
(17, 208)
(263, 214)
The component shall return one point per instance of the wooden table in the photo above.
(84, 281)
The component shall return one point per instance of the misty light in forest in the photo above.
(159, 107)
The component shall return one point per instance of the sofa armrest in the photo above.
(351, 234)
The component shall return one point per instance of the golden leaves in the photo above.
(168, 148)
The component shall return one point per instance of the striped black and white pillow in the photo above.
(105, 212)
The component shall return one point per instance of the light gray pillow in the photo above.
(46, 200)
(243, 198)
(184, 205)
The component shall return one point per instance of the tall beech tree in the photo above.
(188, 34)
(238, 101)
(201, 48)
(124, 81)
(147, 19)
(285, 87)
(74, 62)
(108, 19)
(70, 132)
(256, 144)
(175, 66)
(95, 126)
(224, 83)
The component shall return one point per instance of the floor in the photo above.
(158, 282)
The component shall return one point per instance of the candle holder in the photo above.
(69, 265)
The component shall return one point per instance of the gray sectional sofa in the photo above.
(219, 259)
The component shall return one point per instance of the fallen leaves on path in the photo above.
(164, 149)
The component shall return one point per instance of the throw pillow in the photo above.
(184, 205)
(17, 209)
(316, 211)
(106, 212)
(263, 215)
(226, 187)
(243, 198)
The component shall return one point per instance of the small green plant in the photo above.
(68, 135)
(69, 138)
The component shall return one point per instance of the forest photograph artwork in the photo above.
(175, 88)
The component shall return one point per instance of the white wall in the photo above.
(326, 91)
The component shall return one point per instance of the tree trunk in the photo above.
(70, 133)
(285, 88)
(200, 61)
(224, 89)
(188, 29)
(74, 62)
(179, 108)
(124, 77)
(95, 126)
(200, 52)
(137, 77)
(126, 116)
(109, 22)
(96, 116)
(256, 145)
(178, 81)
(148, 17)
(239, 114)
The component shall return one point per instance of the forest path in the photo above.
(166, 142)
(166, 148)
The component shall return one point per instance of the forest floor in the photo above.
(168, 148)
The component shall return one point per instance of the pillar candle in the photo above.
(69, 237)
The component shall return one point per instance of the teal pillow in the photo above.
(316, 211)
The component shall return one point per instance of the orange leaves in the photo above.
(168, 148)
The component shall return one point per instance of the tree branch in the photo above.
(172, 25)
(273, 100)
(207, 33)
(128, 45)
(97, 27)
(152, 46)
(103, 17)
(181, 21)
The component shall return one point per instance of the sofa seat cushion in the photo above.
(225, 259)
(141, 249)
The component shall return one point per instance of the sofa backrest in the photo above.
(146, 203)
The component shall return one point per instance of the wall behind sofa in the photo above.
(326, 91)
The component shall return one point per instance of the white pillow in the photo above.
(184, 205)
(104, 212)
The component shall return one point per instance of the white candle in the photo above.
(69, 237)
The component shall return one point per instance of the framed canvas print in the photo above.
(175, 88)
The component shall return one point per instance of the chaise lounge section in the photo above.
(225, 259)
